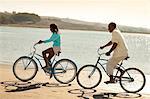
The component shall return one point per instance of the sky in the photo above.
(124, 12)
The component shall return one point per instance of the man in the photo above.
(119, 49)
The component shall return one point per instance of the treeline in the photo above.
(15, 18)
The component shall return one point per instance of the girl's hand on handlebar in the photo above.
(40, 41)
(101, 47)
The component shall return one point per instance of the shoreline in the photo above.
(44, 27)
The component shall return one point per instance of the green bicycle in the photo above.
(131, 79)
(25, 68)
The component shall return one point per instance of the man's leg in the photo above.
(112, 63)
(109, 70)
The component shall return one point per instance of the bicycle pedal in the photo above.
(108, 82)
(44, 84)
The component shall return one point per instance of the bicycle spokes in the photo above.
(26, 63)
(65, 71)
(133, 80)
(89, 76)
(25, 68)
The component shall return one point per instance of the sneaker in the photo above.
(109, 82)
(46, 69)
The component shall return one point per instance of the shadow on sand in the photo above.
(84, 93)
(17, 86)
(113, 95)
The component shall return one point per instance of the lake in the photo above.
(79, 46)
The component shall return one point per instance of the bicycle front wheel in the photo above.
(132, 80)
(89, 76)
(65, 71)
(25, 68)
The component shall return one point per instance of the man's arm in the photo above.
(112, 48)
(108, 44)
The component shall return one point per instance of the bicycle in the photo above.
(131, 80)
(25, 68)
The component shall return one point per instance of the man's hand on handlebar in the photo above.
(107, 53)
(40, 41)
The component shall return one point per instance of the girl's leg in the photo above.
(47, 55)
(51, 54)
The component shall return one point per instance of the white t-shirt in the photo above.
(121, 49)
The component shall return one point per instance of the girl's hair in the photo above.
(54, 28)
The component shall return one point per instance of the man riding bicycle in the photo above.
(119, 49)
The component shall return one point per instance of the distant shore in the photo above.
(22, 19)
(44, 26)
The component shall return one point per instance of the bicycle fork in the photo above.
(94, 68)
(92, 73)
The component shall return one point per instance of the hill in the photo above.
(34, 20)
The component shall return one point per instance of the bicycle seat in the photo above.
(58, 53)
(127, 58)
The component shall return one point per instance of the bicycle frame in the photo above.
(119, 66)
(35, 56)
(102, 65)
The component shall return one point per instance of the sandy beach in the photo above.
(55, 90)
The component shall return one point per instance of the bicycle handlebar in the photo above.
(34, 47)
(100, 54)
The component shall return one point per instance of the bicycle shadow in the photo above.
(56, 85)
(110, 95)
(82, 92)
(18, 86)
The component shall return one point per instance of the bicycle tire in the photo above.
(18, 70)
(128, 72)
(62, 75)
(99, 78)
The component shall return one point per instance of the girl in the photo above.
(50, 52)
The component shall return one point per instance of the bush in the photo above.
(18, 18)
(25, 17)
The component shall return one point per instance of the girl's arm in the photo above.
(52, 38)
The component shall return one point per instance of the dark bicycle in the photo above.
(25, 68)
(131, 79)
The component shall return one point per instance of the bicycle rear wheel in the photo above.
(89, 76)
(132, 80)
(25, 68)
(65, 71)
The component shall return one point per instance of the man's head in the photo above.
(111, 26)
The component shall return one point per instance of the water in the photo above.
(79, 46)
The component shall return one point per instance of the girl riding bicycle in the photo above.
(50, 52)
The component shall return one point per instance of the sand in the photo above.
(55, 90)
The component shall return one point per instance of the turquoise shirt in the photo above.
(55, 38)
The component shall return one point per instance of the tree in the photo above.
(9, 18)
(25, 17)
